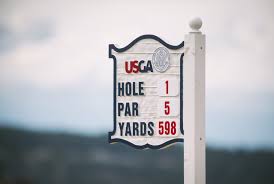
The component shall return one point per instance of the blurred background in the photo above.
(56, 90)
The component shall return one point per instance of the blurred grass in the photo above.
(28, 157)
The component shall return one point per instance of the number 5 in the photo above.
(161, 127)
(167, 108)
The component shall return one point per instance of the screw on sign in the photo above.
(147, 93)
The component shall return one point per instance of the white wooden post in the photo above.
(194, 105)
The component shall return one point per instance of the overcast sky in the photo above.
(55, 73)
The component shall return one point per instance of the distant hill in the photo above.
(49, 158)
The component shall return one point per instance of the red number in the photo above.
(167, 128)
(173, 127)
(161, 128)
(167, 108)
(167, 87)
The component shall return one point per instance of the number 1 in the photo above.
(167, 87)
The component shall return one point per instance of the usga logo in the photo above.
(160, 61)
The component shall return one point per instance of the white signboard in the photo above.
(148, 83)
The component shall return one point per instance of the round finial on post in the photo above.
(195, 24)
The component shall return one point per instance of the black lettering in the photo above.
(121, 126)
(141, 88)
(142, 70)
(121, 89)
(120, 108)
(149, 66)
(128, 132)
(143, 128)
(150, 132)
(135, 129)
(135, 109)
(134, 89)
(127, 110)
(128, 88)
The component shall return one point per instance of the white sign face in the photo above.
(148, 83)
